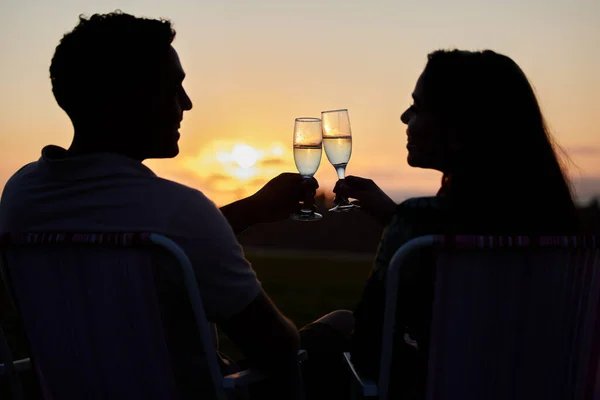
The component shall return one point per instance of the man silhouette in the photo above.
(120, 81)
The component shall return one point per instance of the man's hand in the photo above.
(370, 197)
(270, 342)
(275, 201)
(281, 196)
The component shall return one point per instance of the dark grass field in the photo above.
(304, 286)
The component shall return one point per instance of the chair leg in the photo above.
(356, 392)
(300, 392)
(13, 376)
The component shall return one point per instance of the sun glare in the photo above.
(227, 170)
(244, 155)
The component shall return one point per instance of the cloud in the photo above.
(586, 188)
(583, 151)
(215, 170)
(259, 182)
(271, 162)
(216, 178)
(220, 185)
(224, 181)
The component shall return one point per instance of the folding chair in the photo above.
(89, 306)
(8, 366)
(11, 368)
(514, 317)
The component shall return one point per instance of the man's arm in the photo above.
(231, 292)
(270, 342)
(265, 336)
(275, 201)
(241, 214)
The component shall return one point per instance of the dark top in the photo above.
(446, 213)
(413, 218)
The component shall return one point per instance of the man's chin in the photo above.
(166, 152)
(171, 153)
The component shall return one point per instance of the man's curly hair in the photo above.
(106, 55)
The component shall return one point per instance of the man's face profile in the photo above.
(158, 109)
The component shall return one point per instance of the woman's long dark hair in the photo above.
(509, 158)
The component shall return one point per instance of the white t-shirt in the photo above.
(110, 192)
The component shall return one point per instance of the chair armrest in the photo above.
(369, 388)
(19, 365)
(251, 375)
(302, 355)
(242, 378)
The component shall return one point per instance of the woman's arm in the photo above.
(413, 218)
(368, 313)
(369, 196)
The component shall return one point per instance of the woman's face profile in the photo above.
(428, 137)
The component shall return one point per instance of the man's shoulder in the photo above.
(24, 170)
(12, 193)
(185, 196)
(173, 188)
(166, 191)
(16, 180)
(26, 167)
(189, 206)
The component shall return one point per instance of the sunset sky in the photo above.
(254, 65)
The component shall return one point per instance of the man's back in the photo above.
(121, 82)
(108, 192)
(99, 192)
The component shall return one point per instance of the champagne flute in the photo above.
(308, 145)
(337, 140)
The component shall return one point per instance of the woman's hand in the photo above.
(369, 197)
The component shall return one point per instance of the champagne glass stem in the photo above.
(308, 199)
(341, 173)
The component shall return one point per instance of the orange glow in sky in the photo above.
(227, 170)
(254, 66)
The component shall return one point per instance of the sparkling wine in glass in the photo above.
(337, 140)
(308, 145)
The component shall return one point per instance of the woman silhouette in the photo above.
(476, 119)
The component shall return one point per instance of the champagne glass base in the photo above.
(306, 216)
(344, 208)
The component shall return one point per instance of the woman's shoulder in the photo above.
(421, 215)
(414, 217)
(421, 206)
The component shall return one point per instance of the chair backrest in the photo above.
(513, 317)
(90, 310)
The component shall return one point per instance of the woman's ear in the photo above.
(456, 140)
(456, 148)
